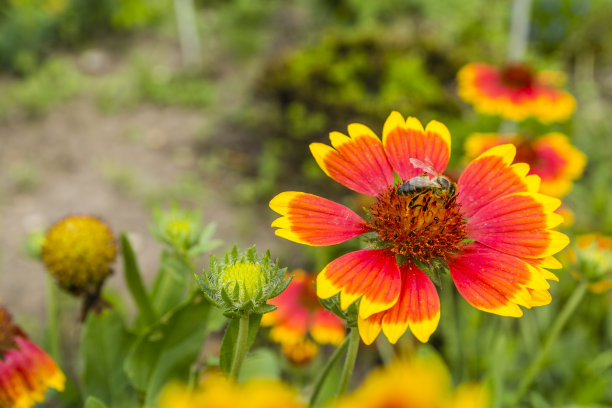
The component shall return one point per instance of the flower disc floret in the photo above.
(248, 277)
(491, 228)
(78, 251)
(423, 226)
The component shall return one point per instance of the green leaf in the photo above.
(104, 345)
(167, 350)
(261, 363)
(134, 282)
(93, 402)
(228, 345)
(171, 283)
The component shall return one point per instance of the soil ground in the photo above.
(78, 160)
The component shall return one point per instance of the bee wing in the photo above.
(426, 166)
(420, 182)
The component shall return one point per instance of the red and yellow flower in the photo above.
(299, 313)
(492, 228)
(217, 391)
(417, 383)
(26, 371)
(515, 92)
(552, 157)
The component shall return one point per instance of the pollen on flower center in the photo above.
(424, 225)
(517, 76)
(249, 277)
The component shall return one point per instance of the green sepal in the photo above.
(263, 309)
(349, 315)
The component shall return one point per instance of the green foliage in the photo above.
(30, 29)
(40, 91)
(190, 90)
(104, 347)
(182, 230)
(134, 281)
(93, 402)
(228, 346)
(167, 349)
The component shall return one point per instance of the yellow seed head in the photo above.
(249, 277)
(78, 251)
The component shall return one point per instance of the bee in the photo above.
(422, 183)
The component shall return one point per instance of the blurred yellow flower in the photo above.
(414, 383)
(217, 391)
(78, 251)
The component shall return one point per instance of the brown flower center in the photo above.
(423, 225)
(517, 76)
(8, 331)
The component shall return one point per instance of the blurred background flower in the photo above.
(515, 92)
(26, 371)
(552, 157)
(300, 318)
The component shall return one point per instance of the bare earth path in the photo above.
(78, 160)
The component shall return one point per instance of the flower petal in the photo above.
(491, 176)
(357, 162)
(313, 220)
(517, 224)
(371, 273)
(327, 328)
(418, 306)
(406, 139)
(369, 328)
(494, 281)
(291, 330)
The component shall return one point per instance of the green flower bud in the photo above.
(182, 230)
(594, 262)
(243, 282)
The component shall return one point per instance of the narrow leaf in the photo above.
(134, 282)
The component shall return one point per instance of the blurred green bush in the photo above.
(29, 29)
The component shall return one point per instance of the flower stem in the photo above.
(519, 30)
(326, 370)
(349, 361)
(53, 313)
(517, 47)
(241, 346)
(562, 318)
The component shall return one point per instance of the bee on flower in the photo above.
(515, 92)
(492, 229)
(299, 314)
(552, 157)
(26, 371)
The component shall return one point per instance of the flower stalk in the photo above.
(567, 311)
(326, 370)
(241, 346)
(349, 362)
